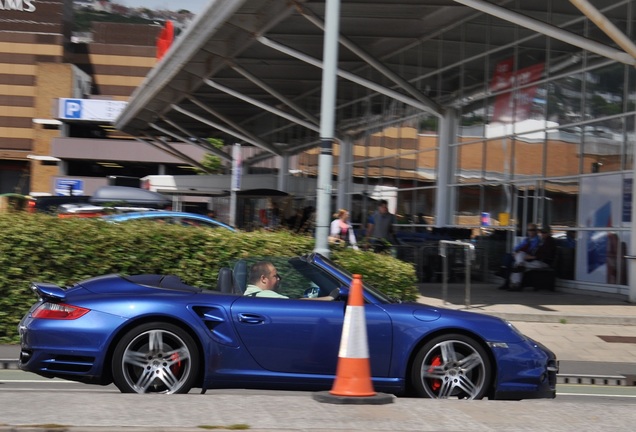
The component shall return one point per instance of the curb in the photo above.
(565, 319)
(552, 317)
(601, 380)
(8, 364)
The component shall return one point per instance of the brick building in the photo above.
(41, 62)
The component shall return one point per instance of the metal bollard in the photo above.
(469, 256)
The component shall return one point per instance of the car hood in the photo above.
(490, 328)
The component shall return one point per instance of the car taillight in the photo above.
(59, 311)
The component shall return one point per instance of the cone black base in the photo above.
(376, 399)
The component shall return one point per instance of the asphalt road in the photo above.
(30, 403)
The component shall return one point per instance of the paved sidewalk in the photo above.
(533, 306)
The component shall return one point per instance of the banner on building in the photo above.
(515, 104)
(604, 238)
(164, 41)
(237, 167)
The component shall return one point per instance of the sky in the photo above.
(194, 6)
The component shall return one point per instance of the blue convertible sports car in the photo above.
(154, 334)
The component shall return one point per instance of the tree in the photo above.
(212, 163)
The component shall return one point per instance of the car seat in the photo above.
(240, 276)
(225, 282)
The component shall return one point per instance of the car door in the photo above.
(303, 336)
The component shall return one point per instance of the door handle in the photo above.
(250, 318)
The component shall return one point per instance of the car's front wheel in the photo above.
(451, 365)
(155, 358)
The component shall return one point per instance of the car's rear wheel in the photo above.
(155, 358)
(451, 365)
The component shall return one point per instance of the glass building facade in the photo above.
(472, 118)
(534, 131)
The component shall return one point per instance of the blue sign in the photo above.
(69, 187)
(237, 167)
(627, 200)
(72, 109)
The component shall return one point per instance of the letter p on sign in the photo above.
(73, 108)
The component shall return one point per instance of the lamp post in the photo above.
(327, 126)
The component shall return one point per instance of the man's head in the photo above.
(383, 206)
(264, 275)
(532, 230)
(545, 232)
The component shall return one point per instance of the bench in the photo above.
(545, 278)
(542, 278)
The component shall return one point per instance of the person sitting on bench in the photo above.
(530, 242)
(533, 258)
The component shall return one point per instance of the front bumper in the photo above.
(527, 371)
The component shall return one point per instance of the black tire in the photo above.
(155, 357)
(449, 366)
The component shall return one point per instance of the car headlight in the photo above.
(515, 330)
(498, 345)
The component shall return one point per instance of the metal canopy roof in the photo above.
(250, 71)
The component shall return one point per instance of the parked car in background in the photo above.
(118, 196)
(105, 200)
(51, 203)
(80, 210)
(171, 217)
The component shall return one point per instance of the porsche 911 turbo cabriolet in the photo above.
(155, 334)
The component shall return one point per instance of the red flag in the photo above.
(165, 39)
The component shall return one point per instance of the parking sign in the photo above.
(69, 187)
(72, 108)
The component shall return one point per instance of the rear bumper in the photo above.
(63, 349)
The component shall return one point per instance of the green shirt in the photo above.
(251, 289)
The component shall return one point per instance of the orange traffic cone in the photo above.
(353, 374)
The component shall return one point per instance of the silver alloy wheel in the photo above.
(156, 361)
(453, 366)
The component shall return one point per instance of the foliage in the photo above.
(212, 163)
(84, 18)
(429, 124)
(35, 247)
(394, 277)
(600, 107)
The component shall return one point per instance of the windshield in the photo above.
(382, 297)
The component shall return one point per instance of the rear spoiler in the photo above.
(48, 291)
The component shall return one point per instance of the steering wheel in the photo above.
(311, 292)
(314, 292)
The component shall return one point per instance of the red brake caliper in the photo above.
(435, 383)
(176, 367)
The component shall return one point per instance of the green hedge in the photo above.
(65, 251)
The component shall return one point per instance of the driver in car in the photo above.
(263, 279)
